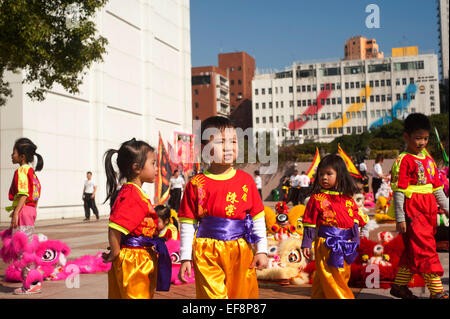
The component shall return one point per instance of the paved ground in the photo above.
(91, 237)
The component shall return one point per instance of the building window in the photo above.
(256, 91)
(276, 104)
(264, 106)
(352, 85)
(264, 119)
(377, 98)
(256, 106)
(196, 92)
(411, 80)
(404, 81)
(263, 91)
(291, 89)
(281, 104)
(270, 119)
(398, 96)
(270, 90)
(346, 85)
(232, 82)
(371, 84)
(270, 105)
(377, 83)
(388, 82)
(397, 81)
(382, 82)
(347, 100)
(196, 105)
(257, 120)
(298, 88)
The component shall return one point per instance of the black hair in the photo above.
(164, 213)
(379, 158)
(25, 146)
(256, 173)
(89, 172)
(130, 152)
(344, 182)
(218, 122)
(415, 122)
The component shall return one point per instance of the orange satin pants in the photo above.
(133, 274)
(329, 282)
(222, 269)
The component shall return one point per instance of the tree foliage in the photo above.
(53, 41)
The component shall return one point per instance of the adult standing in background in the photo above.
(304, 187)
(377, 174)
(89, 191)
(176, 184)
(258, 182)
(295, 187)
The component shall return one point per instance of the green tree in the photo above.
(53, 41)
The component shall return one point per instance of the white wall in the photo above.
(143, 87)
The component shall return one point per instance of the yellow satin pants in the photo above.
(329, 282)
(133, 274)
(222, 269)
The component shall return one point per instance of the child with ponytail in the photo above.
(25, 188)
(140, 260)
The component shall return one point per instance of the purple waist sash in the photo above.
(164, 274)
(227, 229)
(342, 244)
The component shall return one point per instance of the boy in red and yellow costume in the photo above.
(226, 205)
(417, 190)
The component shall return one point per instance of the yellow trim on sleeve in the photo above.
(309, 225)
(118, 228)
(437, 188)
(262, 214)
(188, 220)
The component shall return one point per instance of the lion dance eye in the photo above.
(272, 250)
(49, 255)
(175, 257)
(295, 256)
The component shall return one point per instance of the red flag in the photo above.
(164, 173)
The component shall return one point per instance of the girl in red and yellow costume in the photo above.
(25, 187)
(140, 260)
(332, 211)
(417, 191)
(226, 205)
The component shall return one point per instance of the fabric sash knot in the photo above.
(164, 274)
(226, 229)
(338, 242)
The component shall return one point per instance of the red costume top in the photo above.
(416, 170)
(232, 195)
(133, 213)
(25, 182)
(328, 208)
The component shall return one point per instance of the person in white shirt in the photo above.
(304, 187)
(377, 174)
(258, 182)
(89, 190)
(176, 184)
(295, 188)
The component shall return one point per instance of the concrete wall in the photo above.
(143, 87)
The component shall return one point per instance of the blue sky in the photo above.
(278, 32)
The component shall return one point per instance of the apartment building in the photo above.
(321, 101)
